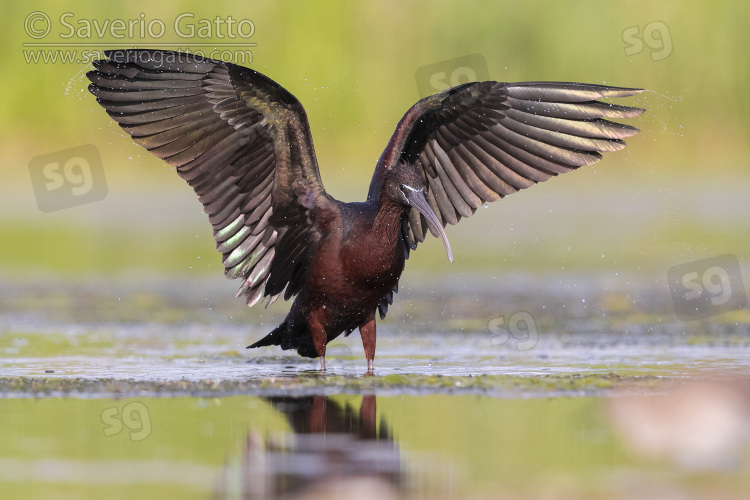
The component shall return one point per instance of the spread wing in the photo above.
(479, 142)
(240, 140)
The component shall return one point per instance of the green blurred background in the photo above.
(677, 193)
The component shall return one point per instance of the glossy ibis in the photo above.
(244, 144)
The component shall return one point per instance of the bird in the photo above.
(244, 144)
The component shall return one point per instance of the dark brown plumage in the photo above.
(244, 144)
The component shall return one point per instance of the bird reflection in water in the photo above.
(332, 452)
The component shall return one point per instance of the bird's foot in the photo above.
(370, 368)
(322, 363)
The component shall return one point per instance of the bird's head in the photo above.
(405, 185)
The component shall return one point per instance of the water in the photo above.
(179, 354)
(318, 446)
(122, 390)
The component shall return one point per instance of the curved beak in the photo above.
(418, 201)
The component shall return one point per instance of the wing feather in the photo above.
(238, 139)
(481, 141)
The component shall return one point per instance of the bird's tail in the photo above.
(298, 338)
(273, 338)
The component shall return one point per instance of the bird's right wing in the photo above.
(240, 140)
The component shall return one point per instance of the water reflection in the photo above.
(334, 450)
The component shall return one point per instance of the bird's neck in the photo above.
(387, 223)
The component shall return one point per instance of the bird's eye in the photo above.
(405, 187)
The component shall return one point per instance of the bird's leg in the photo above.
(367, 331)
(319, 336)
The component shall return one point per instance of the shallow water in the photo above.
(180, 354)
(167, 330)
(146, 389)
(318, 446)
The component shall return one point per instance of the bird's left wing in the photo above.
(243, 144)
(481, 141)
